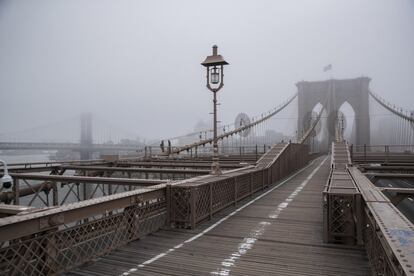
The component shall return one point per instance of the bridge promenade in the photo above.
(279, 232)
(285, 214)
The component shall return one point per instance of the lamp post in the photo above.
(214, 65)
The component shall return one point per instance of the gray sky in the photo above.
(137, 63)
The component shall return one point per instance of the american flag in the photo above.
(327, 67)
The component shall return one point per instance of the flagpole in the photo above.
(329, 68)
(331, 73)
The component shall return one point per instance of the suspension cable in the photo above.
(236, 130)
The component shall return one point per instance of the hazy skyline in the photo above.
(137, 63)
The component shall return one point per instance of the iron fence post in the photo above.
(359, 221)
(235, 191)
(257, 154)
(251, 184)
(269, 176)
(365, 153)
(51, 253)
(193, 207)
(168, 202)
(351, 152)
(240, 152)
(387, 153)
(325, 210)
(211, 201)
(16, 190)
(263, 179)
(109, 189)
(55, 194)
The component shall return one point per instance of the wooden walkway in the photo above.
(277, 233)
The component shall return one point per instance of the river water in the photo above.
(42, 198)
(24, 158)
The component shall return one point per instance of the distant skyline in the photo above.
(136, 64)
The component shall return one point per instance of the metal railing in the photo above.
(382, 153)
(192, 202)
(357, 212)
(56, 239)
(52, 240)
(341, 201)
(55, 190)
(205, 150)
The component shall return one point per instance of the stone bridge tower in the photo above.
(86, 136)
(332, 94)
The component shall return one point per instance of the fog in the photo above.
(137, 63)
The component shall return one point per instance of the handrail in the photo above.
(230, 133)
(30, 223)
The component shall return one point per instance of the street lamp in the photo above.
(214, 65)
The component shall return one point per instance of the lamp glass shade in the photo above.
(215, 78)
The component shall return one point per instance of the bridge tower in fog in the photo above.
(86, 140)
(332, 94)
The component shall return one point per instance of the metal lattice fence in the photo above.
(193, 202)
(57, 239)
(59, 249)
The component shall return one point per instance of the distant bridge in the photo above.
(66, 146)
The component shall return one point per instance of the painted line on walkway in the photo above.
(249, 241)
(202, 233)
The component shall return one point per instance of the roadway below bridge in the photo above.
(278, 232)
(406, 206)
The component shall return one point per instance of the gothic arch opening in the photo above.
(346, 114)
(317, 140)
